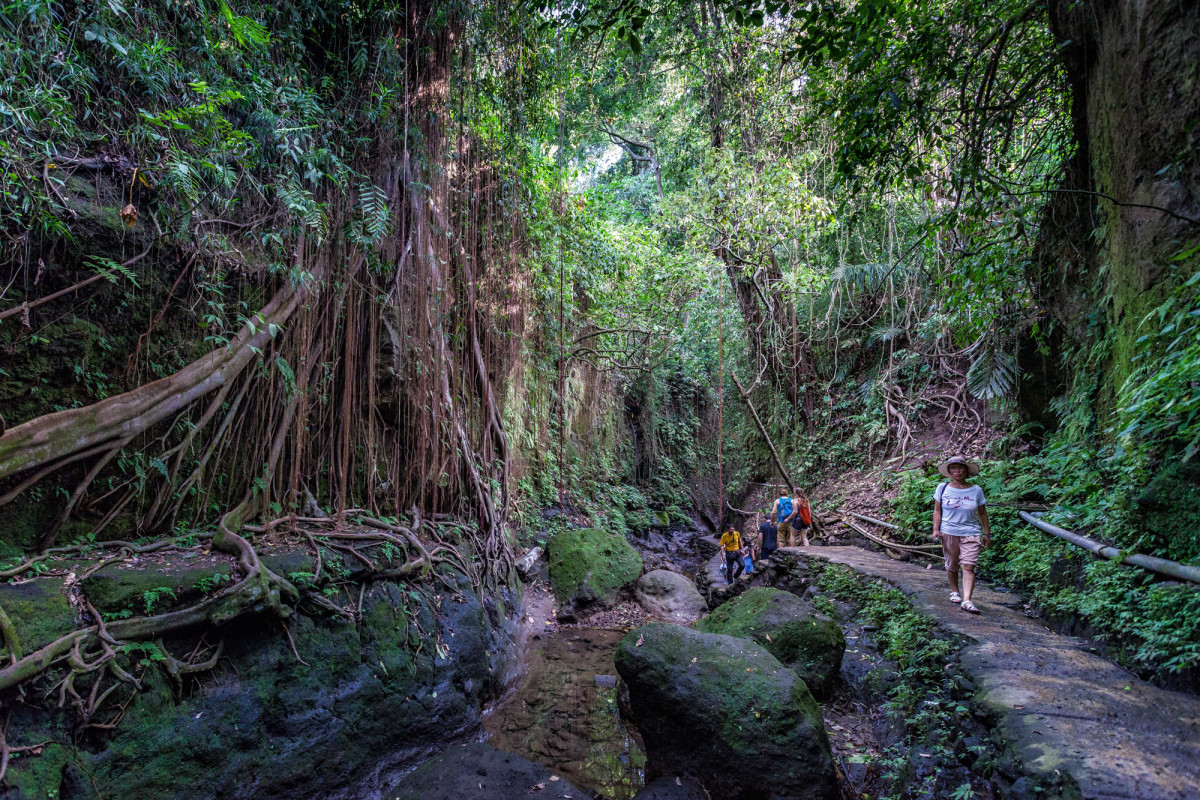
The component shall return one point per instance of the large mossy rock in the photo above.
(789, 628)
(726, 711)
(589, 567)
(481, 772)
(372, 699)
(147, 586)
(670, 596)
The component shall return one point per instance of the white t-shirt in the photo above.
(960, 509)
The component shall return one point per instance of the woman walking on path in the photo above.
(960, 523)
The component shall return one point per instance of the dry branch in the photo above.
(763, 430)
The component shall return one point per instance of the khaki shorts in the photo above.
(960, 549)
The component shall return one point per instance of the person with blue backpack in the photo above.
(795, 517)
(783, 512)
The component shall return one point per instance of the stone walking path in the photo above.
(1060, 707)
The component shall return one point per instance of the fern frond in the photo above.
(993, 373)
(245, 29)
(111, 269)
(884, 333)
(302, 205)
(289, 376)
(372, 205)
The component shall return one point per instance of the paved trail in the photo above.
(1060, 707)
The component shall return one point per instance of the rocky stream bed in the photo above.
(632, 671)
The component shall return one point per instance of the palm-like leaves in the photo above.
(993, 373)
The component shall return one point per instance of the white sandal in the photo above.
(955, 597)
(968, 606)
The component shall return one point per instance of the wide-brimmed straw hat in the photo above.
(972, 467)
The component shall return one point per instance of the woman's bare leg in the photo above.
(968, 581)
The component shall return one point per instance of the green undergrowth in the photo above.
(924, 701)
(906, 637)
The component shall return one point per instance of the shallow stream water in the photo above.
(564, 714)
(564, 711)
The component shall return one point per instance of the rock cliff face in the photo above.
(373, 697)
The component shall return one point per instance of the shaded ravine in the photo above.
(564, 711)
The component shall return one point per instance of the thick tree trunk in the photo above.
(48, 438)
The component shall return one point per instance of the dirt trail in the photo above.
(1060, 707)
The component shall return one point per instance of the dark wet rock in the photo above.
(672, 788)
(481, 772)
(371, 701)
(589, 567)
(670, 595)
(789, 628)
(565, 713)
(726, 711)
(705, 545)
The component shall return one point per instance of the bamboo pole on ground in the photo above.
(763, 430)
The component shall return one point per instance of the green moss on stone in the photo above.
(703, 701)
(788, 628)
(590, 565)
(119, 588)
(39, 610)
(37, 777)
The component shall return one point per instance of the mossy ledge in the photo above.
(352, 706)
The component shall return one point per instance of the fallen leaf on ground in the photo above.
(640, 641)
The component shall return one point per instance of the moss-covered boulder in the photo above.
(351, 707)
(589, 567)
(726, 711)
(789, 628)
(148, 585)
(39, 611)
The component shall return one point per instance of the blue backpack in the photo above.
(785, 508)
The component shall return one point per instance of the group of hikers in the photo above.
(960, 524)
(787, 525)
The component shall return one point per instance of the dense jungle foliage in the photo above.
(444, 265)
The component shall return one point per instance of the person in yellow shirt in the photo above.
(731, 546)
